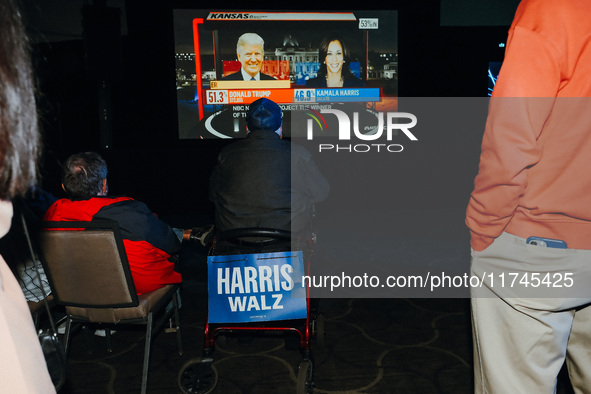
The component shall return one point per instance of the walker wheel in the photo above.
(198, 376)
(304, 385)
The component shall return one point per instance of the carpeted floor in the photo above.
(386, 345)
(369, 346)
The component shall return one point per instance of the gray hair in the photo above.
(83, 175)
(249, 38)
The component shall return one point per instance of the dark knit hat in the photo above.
(263, 114)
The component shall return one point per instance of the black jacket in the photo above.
(264, 181)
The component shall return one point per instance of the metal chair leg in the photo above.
(175, 302)
(68, 333)
(108, 339)
(147, 353)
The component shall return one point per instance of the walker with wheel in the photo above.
(255, 283)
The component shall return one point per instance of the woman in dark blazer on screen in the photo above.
(334, 70)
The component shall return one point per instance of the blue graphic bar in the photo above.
(336, 95)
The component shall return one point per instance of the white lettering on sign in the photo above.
(248, 280)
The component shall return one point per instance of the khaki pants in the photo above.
(531, 313)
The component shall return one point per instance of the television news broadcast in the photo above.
(225, 60)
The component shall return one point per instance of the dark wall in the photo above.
(128, 102)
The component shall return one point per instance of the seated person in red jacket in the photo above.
(149, 242)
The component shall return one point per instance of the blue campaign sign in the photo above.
(256, 287)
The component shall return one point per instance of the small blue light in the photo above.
(502, 45)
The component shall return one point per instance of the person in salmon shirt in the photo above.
(530, 213)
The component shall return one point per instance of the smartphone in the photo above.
(546, 242)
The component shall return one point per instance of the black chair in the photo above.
(89, 274)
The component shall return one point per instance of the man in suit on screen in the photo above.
(250, 51)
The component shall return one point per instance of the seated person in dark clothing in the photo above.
(264, 181)
(149, 242)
